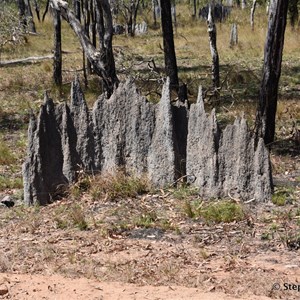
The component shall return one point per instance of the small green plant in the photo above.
(61, 223)
(188, 209)
(6, 155)
(10, 183)
(265, 236)
(191, 208)
(77, 216)
(167, 225)
(82, 185)
(223, 211)
(146, 220)
(182, 192)
(279, 198)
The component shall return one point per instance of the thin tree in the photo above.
(57, 61)
(293, 12)
(267, 106)
(212, 32)
(77, 9)
(129, 10)
(105, 33)
(194, 15)
(102, 61)
(168, 42)
(29, 16)
(22, 13)
(155, 6)
(252, 13)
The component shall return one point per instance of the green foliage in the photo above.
(282, 196)
(184, 191)
(10, 183)
(188, 209)
(146, 220)
(222, 211)
(279, 199)
(6, 155)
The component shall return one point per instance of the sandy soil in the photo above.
(59, 288)
(123, 255)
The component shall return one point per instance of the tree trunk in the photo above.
(76, 8)
(37, 9)
(267, 106)
(154, 7)
(293, 11)
(29, 15)
(212, 32)
(105, 33)
(194, 8)
(244, 4)
(252, 14)
(102, 62)
(93, 23)
(168, 41)
(233, 35)
(135, 11)
(22, 14)
(86, 25)
(57, 61)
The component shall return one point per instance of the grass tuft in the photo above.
(221, 212)
(119, 185)
(6, 155)
(78, 217)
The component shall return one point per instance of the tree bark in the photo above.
(57, 61)
(135, 11)
(154, 6)
(267, 106)
(105, 33)
(22, 13)
(244, 4)
(76, 7)
(103, 68)
(29, 15)
(212, 32)
(27, 60)
(86, 26)
(194, 8)
(252, 14)
(37, 9)
(234, 35)
(168, 41)
(293, 11)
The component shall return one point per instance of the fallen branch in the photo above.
(27, 60)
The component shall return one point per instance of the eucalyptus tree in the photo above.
(212, 32)
(293, 12)
(129, 10)
(168, 42)
(267, 106)
(101, 59)
(26, 16)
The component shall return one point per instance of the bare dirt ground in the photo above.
(58, 287)
(148, 247)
